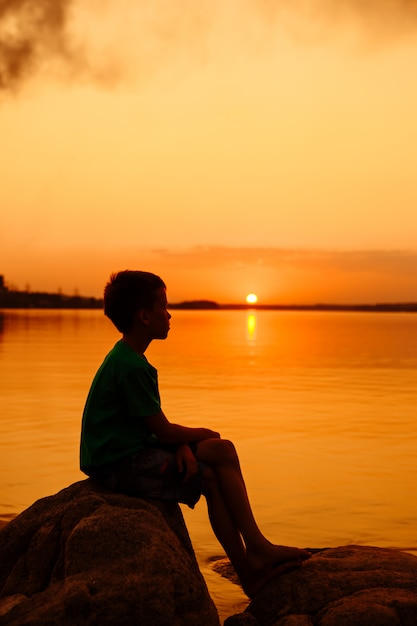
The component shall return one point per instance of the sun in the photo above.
(251, 298)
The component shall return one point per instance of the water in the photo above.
(321, 407)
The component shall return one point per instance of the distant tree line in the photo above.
(15, 299)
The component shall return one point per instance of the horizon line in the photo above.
(16, 299)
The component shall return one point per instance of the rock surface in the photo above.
(346, 586)
(86, 556)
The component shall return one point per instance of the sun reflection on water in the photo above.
(251, 325)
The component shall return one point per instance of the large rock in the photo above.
(86, 556)
(346, 586)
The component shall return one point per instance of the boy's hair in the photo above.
(127, 292)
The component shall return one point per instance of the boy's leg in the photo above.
(223, 525)
(229, 537)
(229, 506)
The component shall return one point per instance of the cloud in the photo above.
(294, 275)
(228, 273)
(106, 40)
(376, 18)
(97, 41)
(356, 261)
(29, 31)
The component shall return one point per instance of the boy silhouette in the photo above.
(128, 444)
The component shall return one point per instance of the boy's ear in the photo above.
(142, 315)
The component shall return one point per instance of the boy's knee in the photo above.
(227, 448)
(215, 452)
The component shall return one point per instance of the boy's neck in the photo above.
(138, 344)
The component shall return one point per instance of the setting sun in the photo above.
(251, 298)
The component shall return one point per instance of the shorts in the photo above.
(153, 474)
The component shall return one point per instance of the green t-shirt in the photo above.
(124, 390)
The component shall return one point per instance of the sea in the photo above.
(321, 405)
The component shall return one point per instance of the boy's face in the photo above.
(158, 316)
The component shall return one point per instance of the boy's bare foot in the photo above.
(274, 556)
(252, 587)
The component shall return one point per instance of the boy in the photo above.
(128, 443)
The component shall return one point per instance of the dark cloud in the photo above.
(30, 31)
(99, 40)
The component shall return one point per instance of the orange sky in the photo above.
(232, 147)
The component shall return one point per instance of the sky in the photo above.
(230, 146)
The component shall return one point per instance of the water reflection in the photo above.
(251, 326)
(330, 403)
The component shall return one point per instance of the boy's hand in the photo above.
(186, 461)
(209, 434)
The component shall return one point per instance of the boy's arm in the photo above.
(174, 434)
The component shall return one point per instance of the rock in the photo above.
(86, 556)
(345, 586)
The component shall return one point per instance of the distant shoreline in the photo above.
(391, 307)
(15, 299)
(39, 300)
